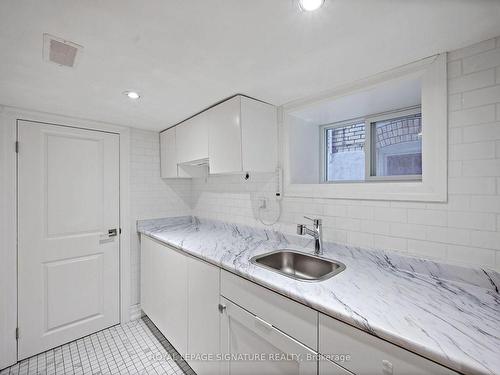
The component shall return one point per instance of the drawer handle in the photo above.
(222, 308)
(387, 368)
(263, 322)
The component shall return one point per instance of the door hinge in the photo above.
(17, 333)
(17, 147)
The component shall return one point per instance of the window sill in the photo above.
(372, 190)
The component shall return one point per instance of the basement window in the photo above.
(379, 138)
(378, 147)
(345, 151)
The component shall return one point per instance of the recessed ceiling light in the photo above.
(132, 94)
(310, 5)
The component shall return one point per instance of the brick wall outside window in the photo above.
(401, 130)
(346, 138)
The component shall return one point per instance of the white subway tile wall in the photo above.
(150, 196)
(463, 230)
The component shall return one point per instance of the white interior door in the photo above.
(68, 198)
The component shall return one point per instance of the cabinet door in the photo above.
(370, 355)
(151, 277)
(146, 286)
(164, 298)
(172, 290)
(168, 157)
(192, 139)
(329, 368)
(203, 315)
(244, 336)
(259, 134)
(224, 137)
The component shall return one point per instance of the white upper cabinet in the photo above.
(224, 137)
(168, 156)
(192, 139)
(237, 135)
(259, 134)
(242, 136)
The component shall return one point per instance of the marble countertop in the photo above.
(449, 314)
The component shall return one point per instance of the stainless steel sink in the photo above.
(298, 265)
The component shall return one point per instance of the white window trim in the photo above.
(433, 186)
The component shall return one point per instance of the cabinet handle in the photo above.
(222, 308)
(387, 367)
(263, 322)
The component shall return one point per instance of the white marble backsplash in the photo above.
(447, 313)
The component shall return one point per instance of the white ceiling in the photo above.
(183, 55)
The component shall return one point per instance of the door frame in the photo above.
(9, 117)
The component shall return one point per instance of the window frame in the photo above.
(370, 155)
(324, 155)
(369, 150)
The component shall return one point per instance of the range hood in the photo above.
(196, 163)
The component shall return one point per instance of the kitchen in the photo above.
(185, 193)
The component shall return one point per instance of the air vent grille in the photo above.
(60, 51)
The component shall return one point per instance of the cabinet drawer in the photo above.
(369, 354)
(296, 320)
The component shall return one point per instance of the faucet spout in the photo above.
(316, 233)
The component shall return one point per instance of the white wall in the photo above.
(304, 153)
(8, 255)
(150, 196)
(464, 230)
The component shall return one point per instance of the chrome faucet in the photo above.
(316, 233)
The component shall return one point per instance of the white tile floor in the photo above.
(133, 348)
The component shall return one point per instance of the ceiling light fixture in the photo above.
(132, 94)
(310, 5)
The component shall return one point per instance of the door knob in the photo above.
(112, 232)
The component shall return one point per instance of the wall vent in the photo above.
(60, 51)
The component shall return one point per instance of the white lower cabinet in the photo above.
(296, 320)
(370, 355)
(203, 317)
(327, 367)
(207, 312)
(164, 290)
(172, 296)
(251, 345)
(180, 295)
(147, 304)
